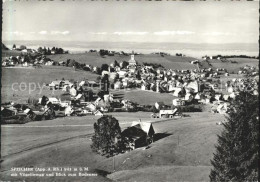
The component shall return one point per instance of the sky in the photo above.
(132, 21)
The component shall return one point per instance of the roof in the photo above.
(91, 82)
(134, 132)
(145, 126)
(56, 82)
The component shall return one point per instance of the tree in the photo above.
(107, 139)
(236, 156)
(116, 63)
(40, 49)
(44, 50)
(48, 51)
(105, 84)
(104, 67)
(14, 46)
(138, 75)
(22, 47)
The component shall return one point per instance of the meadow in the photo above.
(16, 82)
(174, 62)
(181, 152)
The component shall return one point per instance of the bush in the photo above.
(107, 139)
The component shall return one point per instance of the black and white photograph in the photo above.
(129, 91)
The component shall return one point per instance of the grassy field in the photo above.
(182, 151)
(145, 97)
(234, 67)
(173, 62)
(12, 89)
(95, 59)
(7, 53)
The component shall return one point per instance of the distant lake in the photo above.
(194, 50)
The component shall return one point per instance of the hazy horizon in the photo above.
(189, 49)
(118, 21)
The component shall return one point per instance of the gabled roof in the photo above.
(134, 132)
(145, 126)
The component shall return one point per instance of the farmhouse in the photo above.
(139, 134)
(54, 85)
(98, 113)
(167, 113)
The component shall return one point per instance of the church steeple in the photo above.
(132, 60)
(133, 56)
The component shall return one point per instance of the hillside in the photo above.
(95, 59)
(234, 67)
(181, 152)
(16, 81)
(4, 47)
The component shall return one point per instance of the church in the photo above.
(132, 63)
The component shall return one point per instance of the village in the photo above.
(142, 95)
(190, 88)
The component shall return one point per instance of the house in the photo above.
(108, 98)
(91, 107)
(233, 95)
(73, 92)
(226, 97)
(136, 137)
(25, 64)
(118, 85)
(188, 97)
(122, 73)
(198, 96)
(230, 89)
(194, 86)
(147, 127)
(65, 83)
(159, 105)
(125, 83)
(52, 100)
(68, 111)
(218, 96)
(143, 86)
(194, 62)
(139, 134)
(117, 68)
(222, 108)
(7, 112)
(178, 102)
(98, 113)
(49, 63)
(104, 72)
(226, 74)
(172, 87)
(167, 113)
(179, 92)
(54, 85)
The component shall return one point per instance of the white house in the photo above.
(178, 102)
(98, 113)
